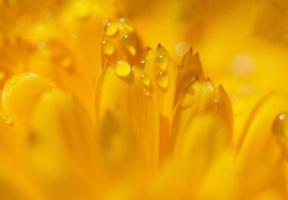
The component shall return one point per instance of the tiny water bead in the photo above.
(145, 80)
(108, 47)
(142, 64)
(280, 126)
(162, 80)
(146, 84)
(147, 91)
(122, 68)
(110, 29)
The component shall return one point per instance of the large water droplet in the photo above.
(162, 80)
(108, 47)
(162, 63)
(130, 43)
(122, 68)
(110, 29)
(280, 126)
(188, 98)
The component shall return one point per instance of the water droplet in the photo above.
(7, 120)
(122, 68)
(162, 63)
(142, 64)
(130, 43)
(125, 26)
(162, 80)
(188, 98)
(108, 47)
(280, 126)
(145, 80)
(110, 28)
(146, 91)
(146, 84)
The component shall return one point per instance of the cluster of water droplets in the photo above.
(120, 47)
(162, 63)
(122, 50)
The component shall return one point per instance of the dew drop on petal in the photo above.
(130, 43)
(145, 80)
(146, 85)
(126, 26)
(146, 91)
(162, 63)
(110, 29)
(187, 99)
(108, 47)
(162, 80)
(122, 68)
(142, 64)
(280, 126)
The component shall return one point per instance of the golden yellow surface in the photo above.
(143, 100)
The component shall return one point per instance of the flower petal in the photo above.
(20, 95)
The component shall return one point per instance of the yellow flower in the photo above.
(91, 112)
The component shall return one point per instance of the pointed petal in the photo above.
(60, 147)
(136, 98)
(260, 155)
(201, 97)
(205, 140)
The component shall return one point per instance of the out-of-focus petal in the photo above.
(21, 94)
(60, 148)
(201, 96)
(205, 140)
(260, 156)
(130, 97)
(220, 181)
(125, 87)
